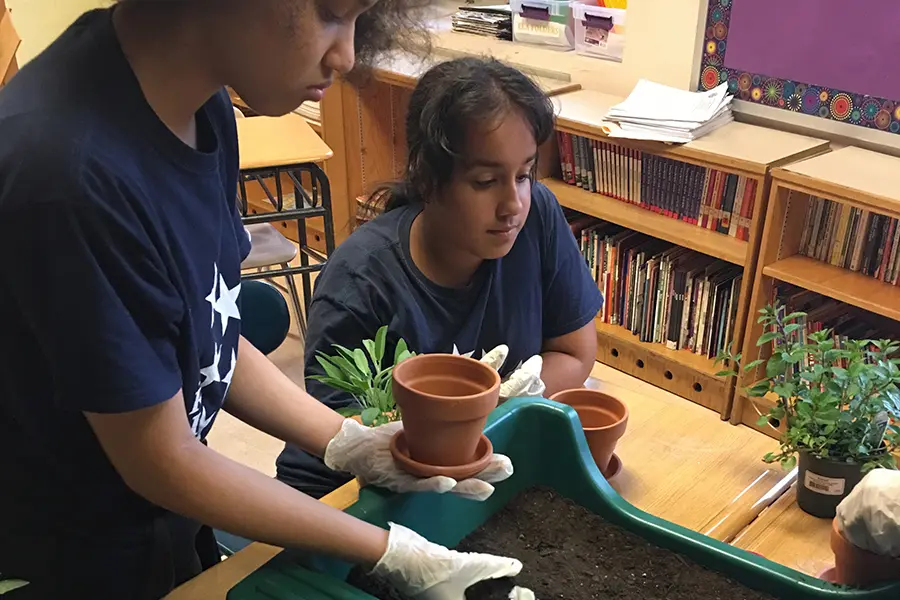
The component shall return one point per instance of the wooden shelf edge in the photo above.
(717, 245)
(841, 284)
(684, 358)
(665, 150)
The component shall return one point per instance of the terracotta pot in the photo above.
(445, 400)
(857, 567)
(603, 418)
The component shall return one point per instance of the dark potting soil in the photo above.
(569, 553)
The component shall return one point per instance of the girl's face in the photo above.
(486, 203)
(277, 54)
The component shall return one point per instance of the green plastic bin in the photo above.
(547, 446)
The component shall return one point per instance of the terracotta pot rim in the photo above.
(400, 453)
(495, 377)
(576, 405)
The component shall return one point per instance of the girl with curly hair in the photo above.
(120, 307)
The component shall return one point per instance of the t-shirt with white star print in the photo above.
(120, 285)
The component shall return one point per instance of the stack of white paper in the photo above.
(661, 113)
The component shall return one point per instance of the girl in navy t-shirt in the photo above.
(471, 252)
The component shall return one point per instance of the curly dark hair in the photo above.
(448, 99)
(390, 25)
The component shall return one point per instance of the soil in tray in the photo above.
(570, 553)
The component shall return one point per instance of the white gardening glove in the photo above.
(421, 569)
(524, 381)
(365, 452)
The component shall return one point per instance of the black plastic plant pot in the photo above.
(823, 483)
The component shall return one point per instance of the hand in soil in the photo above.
(428, 571)
(569, 553)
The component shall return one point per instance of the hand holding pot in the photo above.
(421, 569)
(524, 382)
(364, 452)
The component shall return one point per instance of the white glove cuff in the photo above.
(338, 449)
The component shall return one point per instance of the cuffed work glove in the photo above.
(524, 381)
(427, 571)
(365, 452)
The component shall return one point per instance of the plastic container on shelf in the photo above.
(599, 31)
(543, 22)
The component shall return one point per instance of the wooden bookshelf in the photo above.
(850, 176)
(740, 149)
(633, 217)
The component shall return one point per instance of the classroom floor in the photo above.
(681, 463)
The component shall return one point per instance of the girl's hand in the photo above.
(524, 382)
(364, 452)
(420, 569)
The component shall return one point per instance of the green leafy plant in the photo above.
(837, 403)
(8, 585)
(361, 373)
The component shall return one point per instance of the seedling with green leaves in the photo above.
(838, 403)
(362, 374)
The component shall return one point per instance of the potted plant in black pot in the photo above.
(840, 406)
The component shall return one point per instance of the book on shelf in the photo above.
(660, 292)
(705, 197)
(821, 313)
(852, 238)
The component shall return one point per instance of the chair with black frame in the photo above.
(278, 156)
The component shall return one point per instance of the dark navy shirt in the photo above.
(119, 286)
(541, 290)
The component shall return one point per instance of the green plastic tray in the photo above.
(546, 444)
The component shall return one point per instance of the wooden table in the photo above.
(279, 141)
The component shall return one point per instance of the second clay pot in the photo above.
(445, 400)
(603, 418)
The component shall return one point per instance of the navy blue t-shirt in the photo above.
(119, 286)
(541, 290)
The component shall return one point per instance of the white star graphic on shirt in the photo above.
(210, 374)
(227, 379)
(226, 305)
(467, 354)
(211, 298)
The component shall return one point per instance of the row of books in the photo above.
(662, 293)
(708, 198)
(852, 238)
(844, 321)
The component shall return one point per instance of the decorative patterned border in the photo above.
(836, 105)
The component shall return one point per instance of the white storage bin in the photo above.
(599, 31)
(545, 22)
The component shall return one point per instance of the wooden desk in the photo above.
(279, 141)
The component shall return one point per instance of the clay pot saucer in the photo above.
(400, 452)
(614, 468)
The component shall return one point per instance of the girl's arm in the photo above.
(568, 359)
(158, 457)
(265, 398)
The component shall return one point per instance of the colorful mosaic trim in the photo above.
(837, 105)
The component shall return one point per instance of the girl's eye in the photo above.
(523, 178)
(484, 183)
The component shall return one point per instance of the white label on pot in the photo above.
(820, 484)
